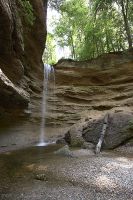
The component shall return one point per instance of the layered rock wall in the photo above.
(21, 48)
(91, 88)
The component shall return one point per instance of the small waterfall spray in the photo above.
(48, 84)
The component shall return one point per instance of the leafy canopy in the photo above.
(91, 28)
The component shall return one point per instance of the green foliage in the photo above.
(28, 12)
(49, 55)
(55, 3)
(123, 8)
(91, 28)
(69, 30)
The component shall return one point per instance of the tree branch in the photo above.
(104, 128)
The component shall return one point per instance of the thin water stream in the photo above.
(48, 87)
(26, 131)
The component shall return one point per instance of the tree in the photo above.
(100, 5)
(91, 28)
(70, 29)
(55, 4)
(50, 51)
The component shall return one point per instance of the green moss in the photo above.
(130, 126)
(76, 141)
(28, 12)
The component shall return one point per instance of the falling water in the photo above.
(49, 81)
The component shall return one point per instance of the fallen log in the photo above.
(104, 128)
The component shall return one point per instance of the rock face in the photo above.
(119, 130)
(13, 96)
(86, 91)
(21, 48)
(91, 88)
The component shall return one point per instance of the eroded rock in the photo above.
(120, 129)
(11, 95)
(21, 48)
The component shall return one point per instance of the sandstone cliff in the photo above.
(91, 88)
(87, 91)
(22, 40)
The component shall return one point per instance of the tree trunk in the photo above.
(73, 48)
(107, 41)
(126, 23)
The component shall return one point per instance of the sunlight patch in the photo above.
(104, 182)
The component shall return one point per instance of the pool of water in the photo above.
(16, 134)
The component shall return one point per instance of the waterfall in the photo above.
(48, 86)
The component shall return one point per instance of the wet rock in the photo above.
(76, 141)
(61, 141)
(88, 145)
(74, 136)
(41, 177)
(65, 151)
(130, 142)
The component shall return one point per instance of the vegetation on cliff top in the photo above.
(90, 28)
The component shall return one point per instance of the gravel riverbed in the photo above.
(37, 173)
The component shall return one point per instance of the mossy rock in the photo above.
(77, 141)
(64, 151)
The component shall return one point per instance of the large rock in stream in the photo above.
(119, 130)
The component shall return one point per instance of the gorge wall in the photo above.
(22, 41)
(91, 88)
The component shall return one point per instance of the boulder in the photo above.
(119, 130)
(64, 151)
(88, 145)
(61, 141)
(74, 136)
